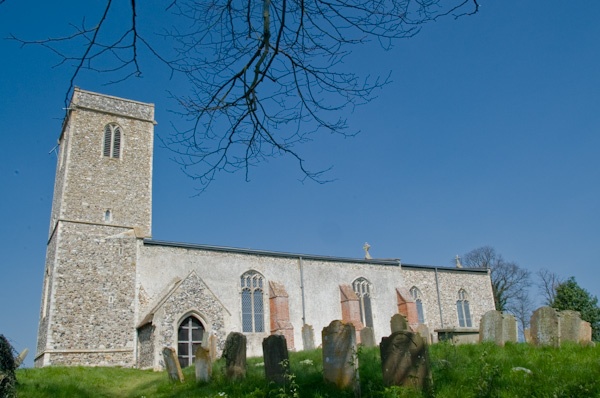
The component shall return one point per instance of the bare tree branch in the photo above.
(264, 76)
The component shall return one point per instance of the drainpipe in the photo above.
(437, 287)
(302, 290)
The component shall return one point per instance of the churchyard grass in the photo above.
(477, 370)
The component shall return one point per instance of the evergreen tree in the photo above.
(7, 369)
(571, 296)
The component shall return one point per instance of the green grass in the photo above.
(482, 370)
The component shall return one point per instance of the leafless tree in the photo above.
(263, 75)
(547, 282)
(522, 308)
(509, 280)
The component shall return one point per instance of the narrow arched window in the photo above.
(189, 338)
(362, 288)
(112, 141)
(463, 310)
(415, 293)
(253, 313)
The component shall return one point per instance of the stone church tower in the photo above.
(101, 211)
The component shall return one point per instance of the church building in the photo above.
(113, 296)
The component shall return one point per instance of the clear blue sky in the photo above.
(489, 134)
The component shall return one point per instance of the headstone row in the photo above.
(550, 327)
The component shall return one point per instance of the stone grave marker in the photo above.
(545, 328)
(423, 331)
(308, 337)
(275, 354)
(490, 327)
(398, 323)
(172, 364)
(585, 333)
(497, 327)
(405, 360)
(203, 364)
(510, 331)
(367, 337)
(235, 356)
(570, 325)
(340, 362)
(209, 342)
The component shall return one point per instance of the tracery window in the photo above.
(363, 288)
(253, 314)
(112, 141)
(462, 308)
(415, 293)
(189, 338)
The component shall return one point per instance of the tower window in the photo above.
(107, 216)
(362, 288)
(253, 313)
(112, 141)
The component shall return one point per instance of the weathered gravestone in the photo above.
(545, 328)
(308, 337)
(510, 330)
(423, 331)
(585, 333)
(367, 337)
(235, 356)
(497, 327)
(276, 358)
(203, 364)
(172, 364)
(398, 323)
(209, 342)
(570, 325)
(405, 360)
(340, 361)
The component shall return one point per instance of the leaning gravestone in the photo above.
(367, 337)
(203, 364)
(276, 358)
(172, 364)
(545, 328)
(340, 363)
(398, 323)
(405, 360)
(235, 356)
(308, 337)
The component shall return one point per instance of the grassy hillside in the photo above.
(517, 370)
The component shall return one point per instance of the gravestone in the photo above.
(340, 362)
(209, 341)
(490, 327)
(423, 331)
(308, 337)
(497, 327)
(545, 329)
(398, 323)
(235, 356)
(585, 333)
(172, 364)
(405, 360)
(21, 357)
(570, 325)
(367, 337)
(276, 358)
(510, 331)
(527, 335)
(203, 364)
